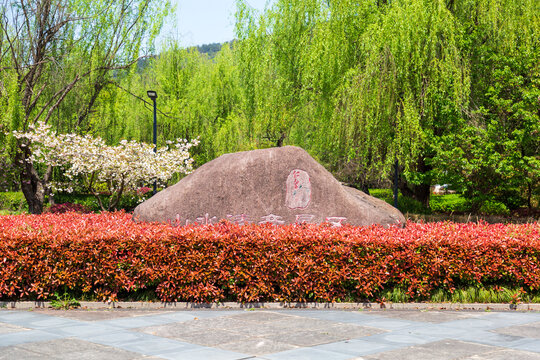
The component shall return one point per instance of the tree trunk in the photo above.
(529, 194)
(365, 188)
(279, 143)
(33, 188)
(419, 192)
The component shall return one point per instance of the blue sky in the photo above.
(200, 22)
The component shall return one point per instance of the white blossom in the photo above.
(127, 165)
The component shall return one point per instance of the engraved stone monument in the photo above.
(278, 186)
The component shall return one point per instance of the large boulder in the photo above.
(278, 185)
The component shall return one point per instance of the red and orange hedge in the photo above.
(108, 254)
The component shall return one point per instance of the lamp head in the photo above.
(152, 94)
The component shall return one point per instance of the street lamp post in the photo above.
(396, 182)
(153, 95)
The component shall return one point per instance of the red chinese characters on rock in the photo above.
(298, 190)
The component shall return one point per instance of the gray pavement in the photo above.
(268, 334)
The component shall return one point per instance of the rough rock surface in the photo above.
(278, 185)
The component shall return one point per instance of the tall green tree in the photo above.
(408, 93)
(497, 156)
(62, 54)
(270, 52)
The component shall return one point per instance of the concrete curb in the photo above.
(92, 305)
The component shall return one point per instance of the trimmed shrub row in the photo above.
(103, 256)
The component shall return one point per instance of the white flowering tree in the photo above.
(89, 160)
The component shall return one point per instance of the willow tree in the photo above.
(335, 48)
(61, 54)
(270, 50)
(408, 93)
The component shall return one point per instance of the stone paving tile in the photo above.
(43, 322)
(180, 329)
(528, 345)
(276, 334)
(334, 333)
(531, 330)
(14, 352)
(492, 321)
(353, 317)
(210, 314)
(523, 317)
(351, 331)
(70, 349)
(138, 322)
(152, 345)
(117, 338)
(473, 324)
(308, 354)
(306, 338)
(440, 350)
(205, 338)
(273, 332)
(97, 315)
(257, 346)
(20, 318)
(429, 329)
(262, 316)
(430, 316)
(81, 329)
(223, 322)
(300, 323)
(402, 339)
(6, 328)
(506, 354)
(262, 330)
(204, 354)
(277, 320)
(356, 347)
(26, 337)
(389, 324)
(177, 316)
(490, 338)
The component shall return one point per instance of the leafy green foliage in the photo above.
(450, 203)
(405, 204)
(494, 207)
(64, 302)
(57, 58)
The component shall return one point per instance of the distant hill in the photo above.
(210, 49)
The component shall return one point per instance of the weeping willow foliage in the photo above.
(409, 91)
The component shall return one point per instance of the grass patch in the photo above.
(449, 203)
(471, 294)
(12, 202)
(487, 295)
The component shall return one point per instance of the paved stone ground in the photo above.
(269, 334)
